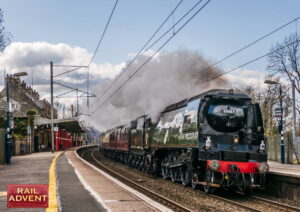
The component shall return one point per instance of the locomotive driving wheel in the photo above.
(185, 175)
(194, 180)
(173, 174)
(209, 179)
(164, 172)
(242, 183)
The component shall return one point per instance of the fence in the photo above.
(291, 149)
(21, 146)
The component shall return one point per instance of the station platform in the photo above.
(288, 170)
(77, 185)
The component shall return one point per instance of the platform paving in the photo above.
(79, 187)
(27, 169)
(111, 195)
(284, 169)
(73, 196)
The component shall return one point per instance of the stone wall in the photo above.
(291, 150)
(20, 146)
(284, 187)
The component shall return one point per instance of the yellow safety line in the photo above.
(52, 207)
(3, 193)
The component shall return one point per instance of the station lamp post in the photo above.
(281, 119)
(9, 118)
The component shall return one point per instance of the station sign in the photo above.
(277, 112)
(55, 129)
(11, 122)
(27, 196)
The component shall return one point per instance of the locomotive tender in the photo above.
(215, 139)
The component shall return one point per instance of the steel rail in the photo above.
(175, 206)
(233, 202)
(159, 198)
(275, 204)
(153, 195)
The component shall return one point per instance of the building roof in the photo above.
(72, 125)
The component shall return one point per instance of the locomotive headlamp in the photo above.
(207, 142)
(263, 168)
(214, 165)
(236, 139)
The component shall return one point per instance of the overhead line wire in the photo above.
(218, 75)
(142, 50)
(249, 62)
(251, 43)
(130, 77)
(103, 33)
(70, 87)
(97, 48)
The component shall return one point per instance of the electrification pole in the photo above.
(294, 115)
(51, 91)
(281, 127)
(77, 104)
(8, 124)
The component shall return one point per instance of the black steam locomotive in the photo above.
(215, 139)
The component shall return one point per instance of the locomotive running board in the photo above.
(210, 184)
(255, 186)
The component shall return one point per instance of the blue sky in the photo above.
(222, 27)
(67, 31)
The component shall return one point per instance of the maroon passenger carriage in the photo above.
(115, 143)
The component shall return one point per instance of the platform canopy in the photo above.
(72, 125)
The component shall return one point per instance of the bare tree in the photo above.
(59, 106)
(268, 99)
(4, 36)
(285, 59)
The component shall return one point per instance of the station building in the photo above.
(32, 125)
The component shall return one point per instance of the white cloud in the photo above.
(147, 53)
(106, 70)
(35, 57)
(246, 77)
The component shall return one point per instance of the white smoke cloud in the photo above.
(171, 77)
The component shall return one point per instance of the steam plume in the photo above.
(166, 79)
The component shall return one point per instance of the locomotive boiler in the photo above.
(215, 139)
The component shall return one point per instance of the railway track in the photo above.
(279, 206)
(258, 203)
(88, 155)
(165, 201)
